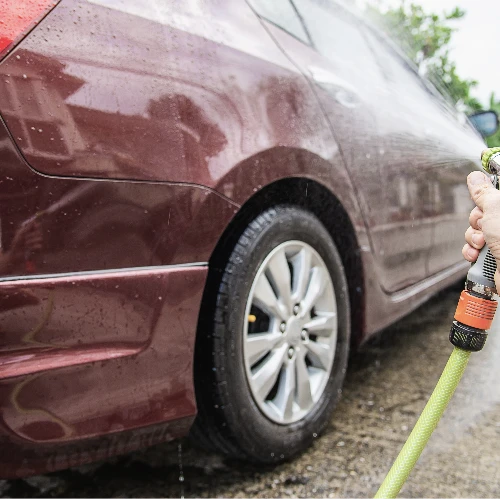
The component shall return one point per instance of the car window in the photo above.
(395, 69)
(336, 35)
(398, 70)
(283, 14)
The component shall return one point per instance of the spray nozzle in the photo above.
(490, 159)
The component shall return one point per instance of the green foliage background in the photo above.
(494, 140)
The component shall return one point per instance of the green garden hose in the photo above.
(473, 317)
(425, 425)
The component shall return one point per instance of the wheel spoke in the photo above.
(322, 325)
(291, 332)
(319, 354)
(266, 300)
(286, 392)
(315, 289)
(304, 396)
(281, 279)
(259, 344)
(302, 270)
(265, 376)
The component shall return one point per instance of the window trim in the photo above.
(309, 42)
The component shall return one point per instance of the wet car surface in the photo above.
(202, 206)
(387, 385)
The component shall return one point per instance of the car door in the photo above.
(452, 200)
(441, 147)
(364, 117)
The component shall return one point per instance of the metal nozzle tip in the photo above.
(490, 159)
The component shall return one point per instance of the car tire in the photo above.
(235, 416)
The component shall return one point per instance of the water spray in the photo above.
(473, 318)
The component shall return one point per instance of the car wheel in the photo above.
(271, 357)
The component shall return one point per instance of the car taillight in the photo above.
(17, 17)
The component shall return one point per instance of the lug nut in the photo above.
(283, 327)
(291, 352)
(296, 309)
(304, 335)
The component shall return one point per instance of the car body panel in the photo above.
(89, 225)
(199, 106)
(232, 119)
(67, 337)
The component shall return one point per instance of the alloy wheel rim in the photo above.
(290, 332)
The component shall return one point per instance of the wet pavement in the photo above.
(387, 385)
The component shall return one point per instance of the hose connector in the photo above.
(473, 317)
(467, 338)
(474, 311)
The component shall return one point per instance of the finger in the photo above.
(474, 238)
(469, 253)
(476, 218)
(480, 188)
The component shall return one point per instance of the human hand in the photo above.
(484, 220)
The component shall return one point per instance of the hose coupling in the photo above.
(473, 317)
(466, 337)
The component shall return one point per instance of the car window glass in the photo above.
(395, 68)
(400, 75)
(335, 34)
(230, 23)
(282, 14)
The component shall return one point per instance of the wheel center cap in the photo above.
(294, 328)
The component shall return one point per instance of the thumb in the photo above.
(481, 189)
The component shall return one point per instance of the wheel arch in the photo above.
(318, 199)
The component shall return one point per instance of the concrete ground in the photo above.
(387, 385)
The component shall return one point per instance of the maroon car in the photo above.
(203, 205)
